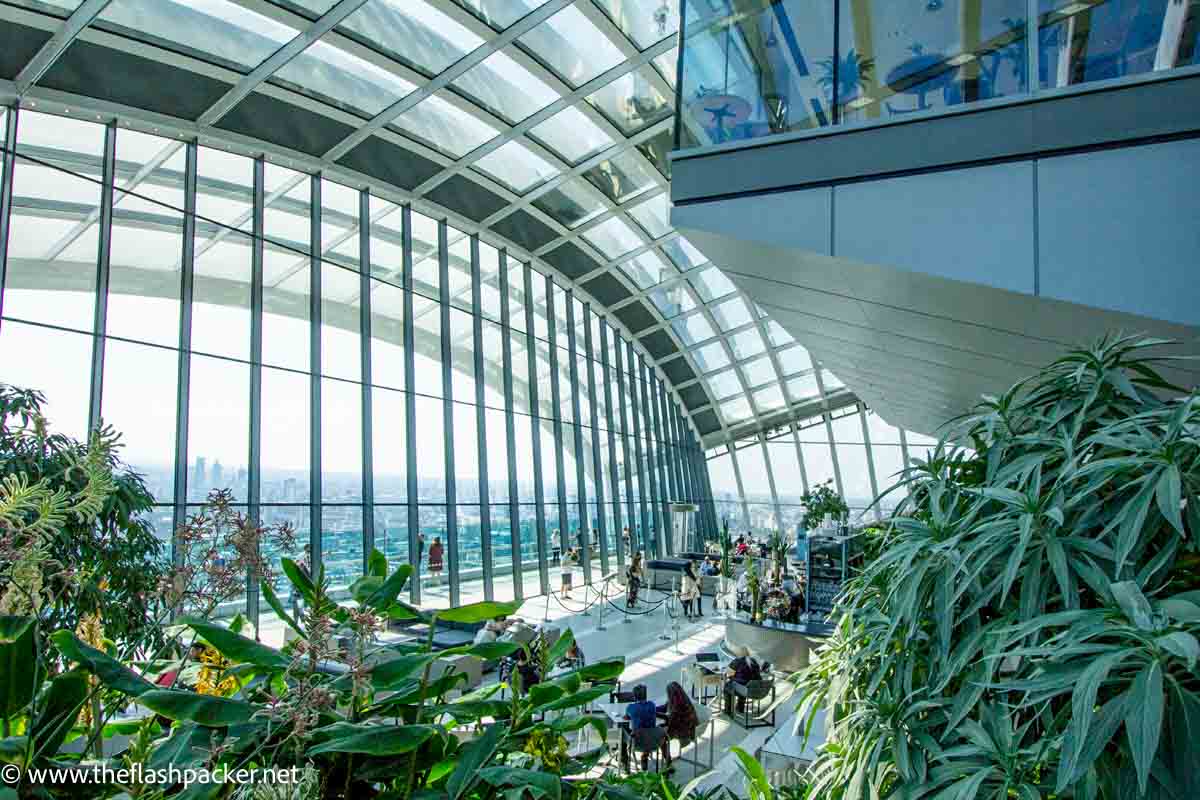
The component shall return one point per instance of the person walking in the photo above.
(436, 552)
(689, 590)
(633, 580)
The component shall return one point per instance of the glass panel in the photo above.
(500, 13)
(803, 388)
(736, 410)
(732, 314)
(439, 122)
(224, 190)
(769, 399)
(54, 242)
(847, 429)
(341, 441)
(746, 344)
(711, 283)
(271, 629)
(631, 102)
(341, 545)
(147, 240)
(644, 22)
(287, 274)
(830, 381)
(572, 134)
(785, 469)
(413, 32)
(672, 300)
(613, 237)
(505, 87)
(470, 554)
(516, 166)
(572, 46)
(340, 335)
(386, 245)
(334, 76)
(391, 533)
(653, 215)
(387, 335)
(758, 371)
(339, 223)
(215, 30)
(429, 440)
(1092, 41)
(657, 151)
(389, 451)
(889, 461)
(218, 424)
(724, 384)
(56, 363)
(753, 467)
(530, 578)
(285, 437)
(620, 177)
(683, 253)
(856, 479)
(668, 63)
(139, 401)
(573, 203)
(647, 269)
(881, 432)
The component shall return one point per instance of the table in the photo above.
(616, 714)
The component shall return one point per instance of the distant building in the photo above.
(218, 475)
(200, 473)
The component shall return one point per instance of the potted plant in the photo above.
(821, 503)
(754, 586)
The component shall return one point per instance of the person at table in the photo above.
(643, 727)
(633, 580)
(681, 718)
(743, 669)
(573, 658)
(527, 671)
(740, 547)
(689, 589)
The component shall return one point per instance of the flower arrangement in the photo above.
(821, 502)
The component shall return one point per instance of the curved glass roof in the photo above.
(542, 125)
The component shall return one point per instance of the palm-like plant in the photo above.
(1031, 625)
(850, 73)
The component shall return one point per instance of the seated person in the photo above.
(527, 671)
(710, 567)
(743, 669)
(681, 718)
(492, 631)
(740, 547)
(573, 659)
(643, 727)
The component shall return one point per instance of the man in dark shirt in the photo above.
(743, 669)
(643, 727)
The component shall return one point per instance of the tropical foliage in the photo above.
(820, 502)
(1030, 625)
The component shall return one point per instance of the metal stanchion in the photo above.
(585, 612)
(667, 616)
(546, 615)
(603, 601)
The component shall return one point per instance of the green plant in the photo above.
(371, 720)
(820, 502)
(1030, 625)
(107, 562)
(853, 73)
(754, 587)
(726, 542)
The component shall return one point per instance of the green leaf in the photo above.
(239, 648)
(1181, 644)
(560, 648)
(374, 740)
(273, 601)
(1169, 494)
(387, 675)
(112, 673)
(301, 582)
(207, 710)
(1083, 700)
(575, 700)
(1185, 739)
(472, 758)
(479, 612)
(1178, 608)
(386, 594)
(754, 773)
(60, 709)
(20, 670)
(1143, 724)
(1135, 605)
(377, 564)
(537, 783)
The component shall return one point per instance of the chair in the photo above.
(751, 695)
(645, 743)
(702, 679)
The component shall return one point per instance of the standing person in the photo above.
(435, 560)
(689, 588)
(420, 551)
(633, 580)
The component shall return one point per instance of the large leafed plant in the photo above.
(1030, 625)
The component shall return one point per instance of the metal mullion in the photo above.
(643, 488)
(10, 163)
(652, 447)
(833, 454)
(485, 510)
(564, 528)
(597, 461)
(705, 483)
(903, 447)
(510, 432)
(665, 493)
(254, 471)
(539, 493)
(800, 457)
(622, 399)
(862, 418)
(184, 367)
(103, 254)
(364, 333)
(410, 406)
(448, 412)
(672, 443)
(611, 430)
(585, 538)
(315, 480)
(762, 440)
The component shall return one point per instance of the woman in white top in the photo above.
(689, 589)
